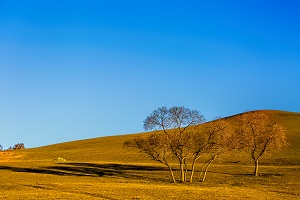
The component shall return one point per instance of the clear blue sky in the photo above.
(79, 69)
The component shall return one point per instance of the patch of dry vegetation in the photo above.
(48, 180)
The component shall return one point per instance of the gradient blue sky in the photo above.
(79, 69)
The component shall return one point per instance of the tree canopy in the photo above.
(179, 134)
(259, 134)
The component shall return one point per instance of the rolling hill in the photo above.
(102, 168)
(111, 149)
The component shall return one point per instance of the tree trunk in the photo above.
(256, 167)
(171, 171)
(201, 171)
(186, 171)
(207, 166)
(192, 172)
(182, 171)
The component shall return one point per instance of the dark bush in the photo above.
(19, 146)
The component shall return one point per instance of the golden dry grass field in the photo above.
(101, 168)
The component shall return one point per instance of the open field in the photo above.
(102, 168)
(45, 180)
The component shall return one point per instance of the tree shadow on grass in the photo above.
(93, 170)
(34, 170)
(107, 170)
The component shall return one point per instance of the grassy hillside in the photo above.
(110, 149)
(101, 168)
(290, 121)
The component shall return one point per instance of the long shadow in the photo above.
(34, 170)
(91, 169)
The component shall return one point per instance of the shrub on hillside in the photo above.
(16, 147)
(19, 146)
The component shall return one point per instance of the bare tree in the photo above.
(155, 146)
(175, 123)
(259, 134)
(1, 147)
(213, 139)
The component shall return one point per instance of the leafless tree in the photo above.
(259, 134)
(175, 123)
(213, 139)
(155, 146)
(178, 135)
(1, 147)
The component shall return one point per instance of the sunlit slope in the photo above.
(103, 149)
(290, 155)
(110, 149)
